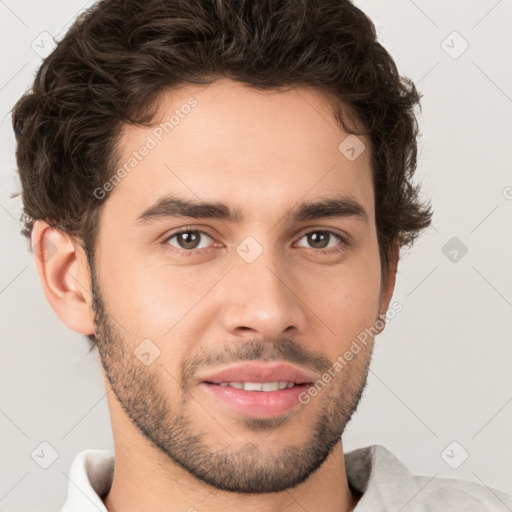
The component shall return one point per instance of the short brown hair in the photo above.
(120, 54)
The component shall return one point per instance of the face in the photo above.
(236, 262)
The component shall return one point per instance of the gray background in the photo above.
(441, 370)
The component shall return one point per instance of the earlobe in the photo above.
(64, 274)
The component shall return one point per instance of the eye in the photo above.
(321, 240)
(189, 240)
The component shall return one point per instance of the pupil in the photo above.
(318, 240)
(188, 240)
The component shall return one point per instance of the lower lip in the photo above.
(266, 404)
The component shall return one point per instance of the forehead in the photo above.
(242, 146)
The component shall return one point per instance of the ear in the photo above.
(388, 284)
(65, 276)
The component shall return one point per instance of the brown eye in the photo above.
(189, 240)
(320, 240)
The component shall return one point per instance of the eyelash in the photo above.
(193, 252)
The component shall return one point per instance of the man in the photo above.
(216, 194)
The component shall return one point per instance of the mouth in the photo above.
(262, 390)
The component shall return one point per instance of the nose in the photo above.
(262, 302)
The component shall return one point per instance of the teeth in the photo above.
(259, 386)
(251, 386)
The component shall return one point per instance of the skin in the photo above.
(296, 302)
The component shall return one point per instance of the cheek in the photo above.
(345, 298)
(347, 304)
(153, 299)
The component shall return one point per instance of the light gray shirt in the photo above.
(385, 483)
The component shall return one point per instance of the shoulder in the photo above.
(385, 483)
(463, 495)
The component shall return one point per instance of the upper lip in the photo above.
(260, 372)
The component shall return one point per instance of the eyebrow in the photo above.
(171, 206)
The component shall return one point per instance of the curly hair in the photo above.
(116, 58)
